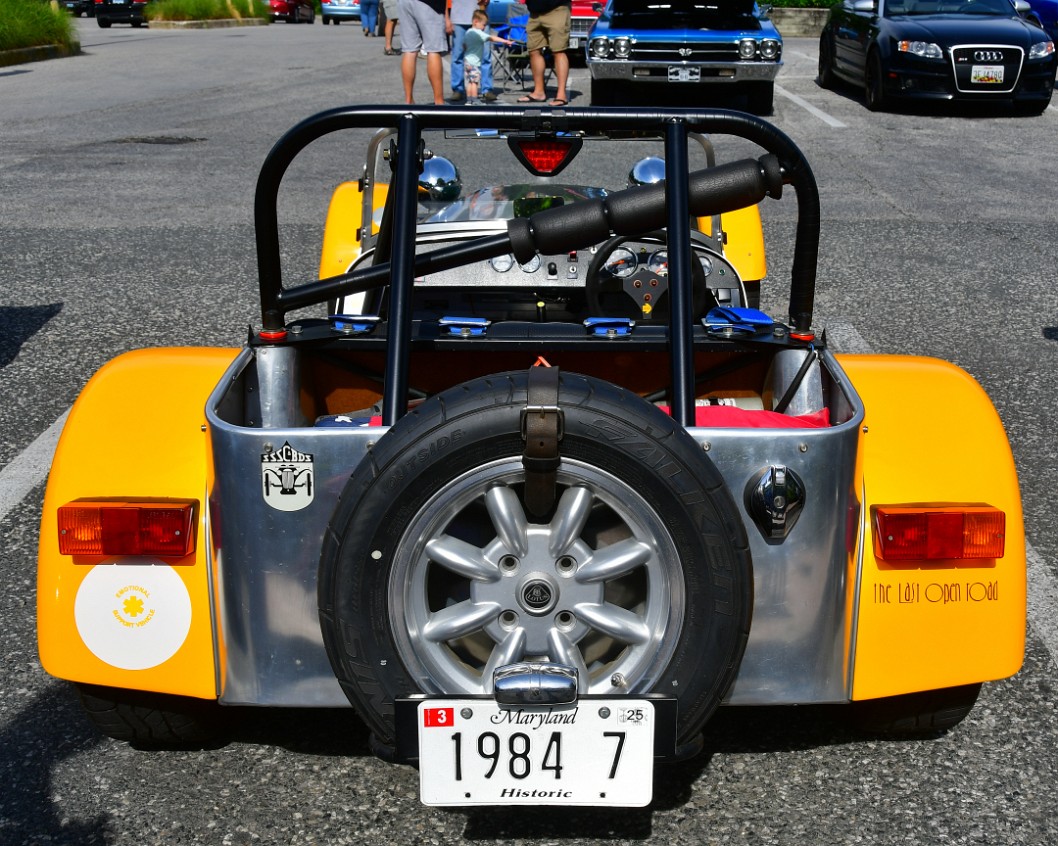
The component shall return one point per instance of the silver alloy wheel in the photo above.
(476, 585)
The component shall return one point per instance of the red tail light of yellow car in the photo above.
(930, 533)
(90, 527)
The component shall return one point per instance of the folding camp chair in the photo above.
(512, 63)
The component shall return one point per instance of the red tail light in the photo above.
(544, 156)
(90, 527)
(930, 533)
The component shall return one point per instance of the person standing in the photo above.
(422, 27)
(548, 26)
(461, 16)
(476, 40)
(389, 8)
(369, 16)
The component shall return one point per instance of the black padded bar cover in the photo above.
(642, 209)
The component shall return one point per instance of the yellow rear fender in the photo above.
(342, 235)
(743, 241)
(932, 437)
(137, 433)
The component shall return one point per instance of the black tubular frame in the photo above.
(673, 125)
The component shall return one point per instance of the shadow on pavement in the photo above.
(20, 323)
(42, 735)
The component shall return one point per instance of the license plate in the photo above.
(574, 43)
(988, 74)
(679, 73)
(594, 752)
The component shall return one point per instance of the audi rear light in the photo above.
(931, 533)
(103, 527)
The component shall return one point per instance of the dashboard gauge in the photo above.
(707, 264)
(658, 263)
(501, 264)
(532, 265)
(622, 262)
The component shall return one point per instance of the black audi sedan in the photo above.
(939, 49)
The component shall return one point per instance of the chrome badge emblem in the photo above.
(685, 51)
(988, 55)
(286, 478)
(537, 595)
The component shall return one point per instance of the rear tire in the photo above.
(430, 558)
(152, 720)
(826, 76)
(915, 714)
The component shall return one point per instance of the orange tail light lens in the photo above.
(90, 527)
(930, 533)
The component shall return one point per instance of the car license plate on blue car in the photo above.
(682, 73)
(593, 752)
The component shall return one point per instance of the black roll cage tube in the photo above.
(673, 125)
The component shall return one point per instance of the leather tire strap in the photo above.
(542, 429)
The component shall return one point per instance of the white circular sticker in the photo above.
(133, 615)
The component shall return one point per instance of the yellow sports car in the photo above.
(527, 478)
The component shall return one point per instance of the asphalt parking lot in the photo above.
(128, 176)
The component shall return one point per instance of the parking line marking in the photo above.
(1042, 587)
(808, 107)
(29, 468)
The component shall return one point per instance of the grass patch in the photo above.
(31, 23)
(803, 4)
(204, 10)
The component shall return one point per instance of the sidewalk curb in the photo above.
(218, 24)
(38, 54)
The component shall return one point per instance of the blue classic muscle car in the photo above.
(717, 42)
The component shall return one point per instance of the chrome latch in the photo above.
(774, 499)
(535, 683)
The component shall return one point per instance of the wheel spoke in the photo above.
(508, 518)
(508, 651)
(614, 561)
(564, 651)
(614, 621)
(462, 558)
(458, 620)
(574, 507)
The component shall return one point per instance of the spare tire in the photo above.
(433, 573)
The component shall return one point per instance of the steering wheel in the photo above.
(613, 289)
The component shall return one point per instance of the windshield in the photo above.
(475, 177)
(501, 202)
(894, 8)
(650, 14)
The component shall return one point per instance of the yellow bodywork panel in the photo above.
(136, 432)
(743, 241)
(931, 435)
(341, 244)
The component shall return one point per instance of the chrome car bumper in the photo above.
(711, 73)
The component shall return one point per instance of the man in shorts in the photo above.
(389, 9)
(548, 26)
(422, 27)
